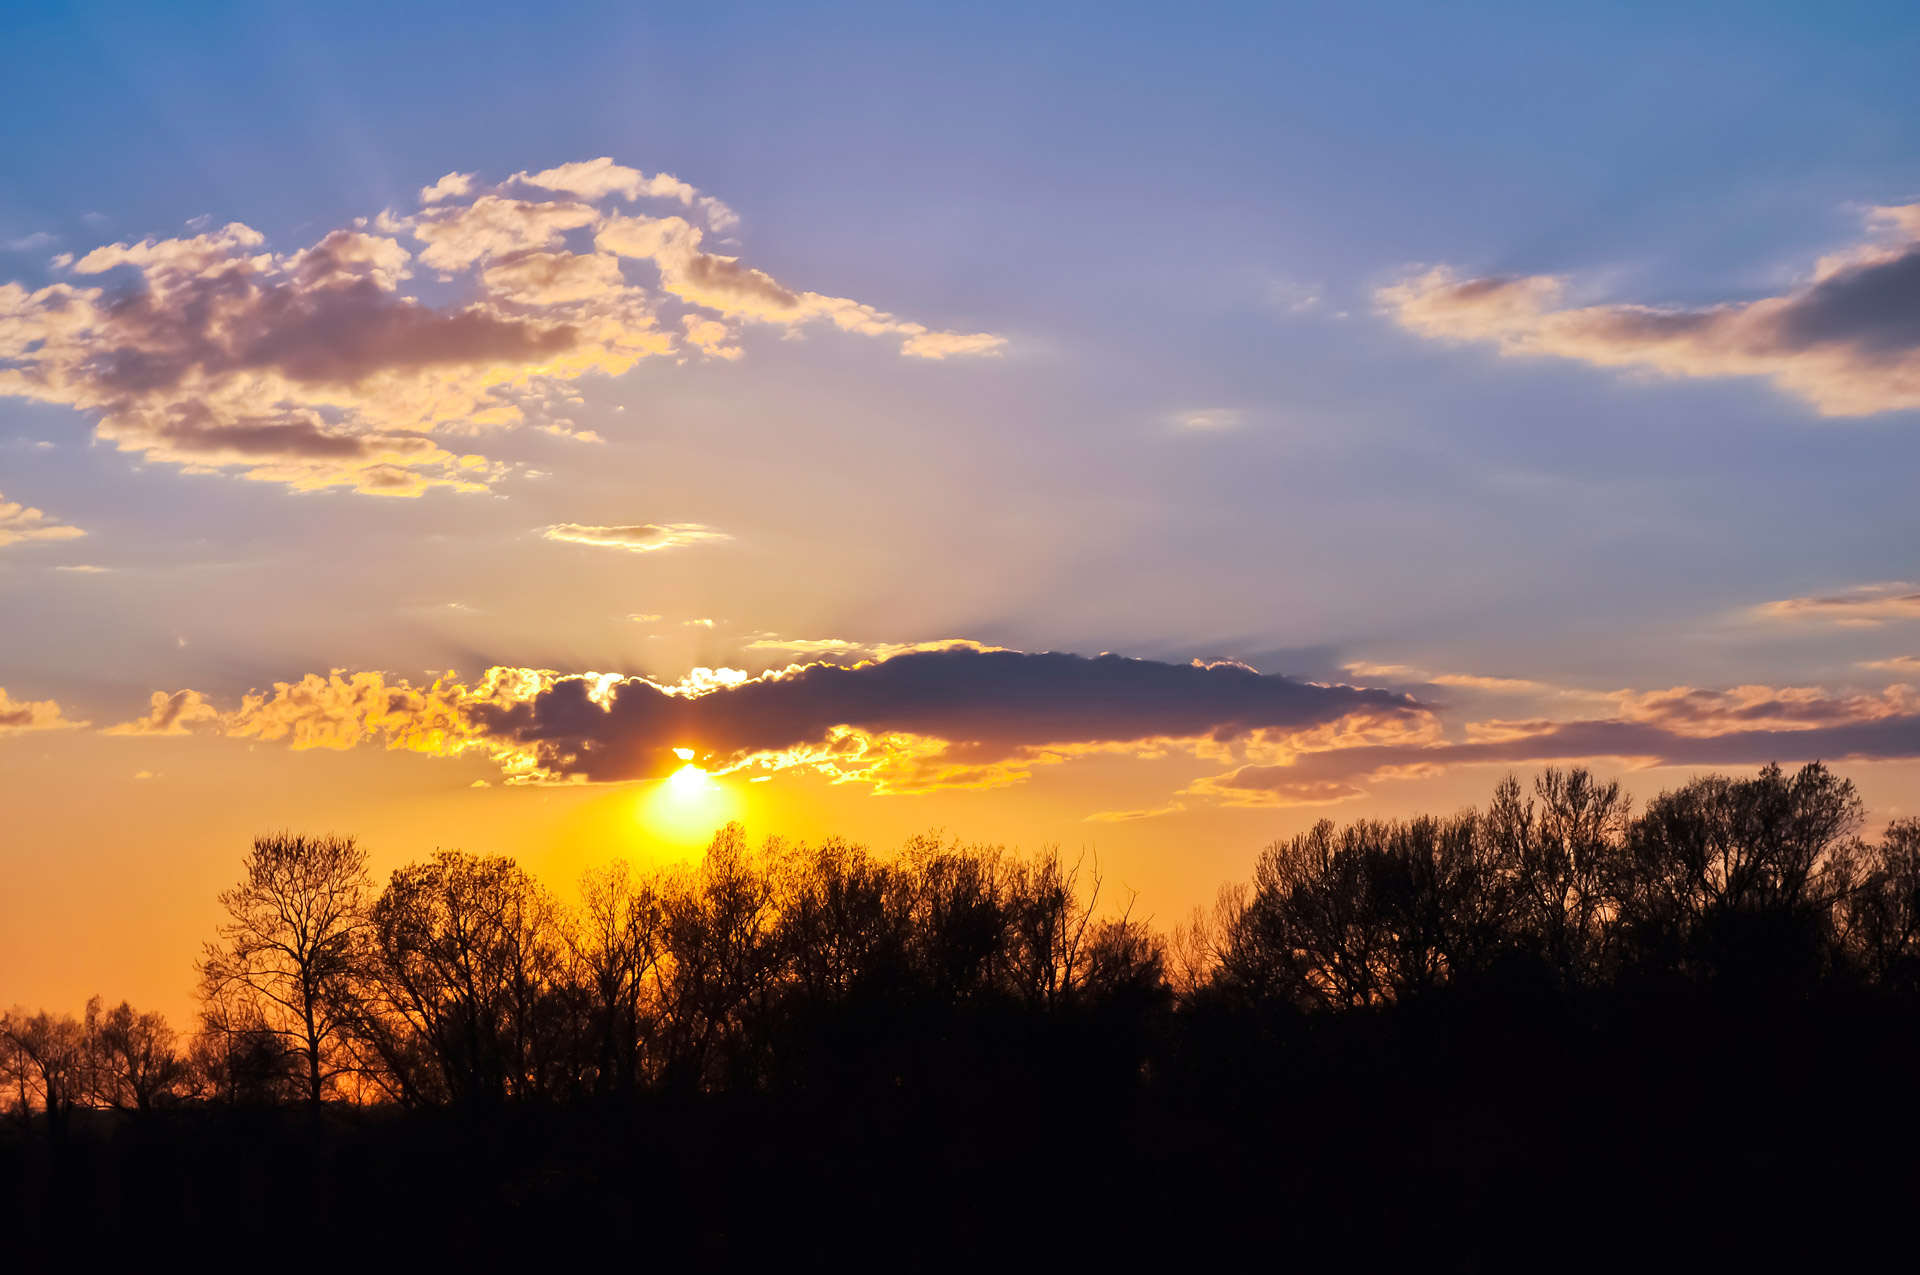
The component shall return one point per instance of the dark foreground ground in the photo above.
(1454, 1136)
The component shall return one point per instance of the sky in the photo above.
(1143, 430)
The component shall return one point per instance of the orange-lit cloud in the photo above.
(316, 368)
(962, 715)
(1701, 713)
(822, 647)
(1867, 605)
(1683, 726)
(1471, 681)
(19, 523)
(958, 716)
(644, 537)
(175, 714)
(20, 716)
(1845, 341)
(741, 293)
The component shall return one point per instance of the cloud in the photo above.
(596, 179)
(1863, 606)
(711, 337)
(27, 243)
(317, 368)
(932, 718)
(819, 647)
(1682, 726)
(19, 523)
(555, 278)
(953, 717)
(644, 537)
(1697, 713)
(1897, 664)
(1471, 681)
(17, 717)
(175, 714)
(739, 292)
(1200, 420)
(808, 646)
(452, 186)
(1294, 298)
(1847, 340)
(495, 227)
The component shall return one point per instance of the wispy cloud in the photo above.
(1471, 681)
(646, 537)
(1204, 419)
(1845, 341)
(1865, 605)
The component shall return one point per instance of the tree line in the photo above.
(1555, 1029)
(465, 982)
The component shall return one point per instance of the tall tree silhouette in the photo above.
(291, 945)
(473, 977)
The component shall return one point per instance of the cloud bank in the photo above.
(318, 368)
(1847, 341)
(1680, 726)
(963, 715)
(954, 716)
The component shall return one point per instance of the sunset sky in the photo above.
(1143, 429)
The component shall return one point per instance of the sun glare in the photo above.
(688, 806)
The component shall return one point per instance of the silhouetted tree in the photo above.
(471, 978)
(287, 956)
(1742, 876)
(1561, 858)
(48, 1066)
(134, 1060)
(717, 926)
(619, 945)
(1880, 918)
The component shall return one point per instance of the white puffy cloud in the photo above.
(315, 368)
(452, 186)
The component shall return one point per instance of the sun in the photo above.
(688, 806)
